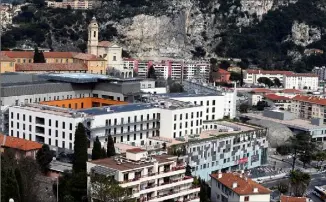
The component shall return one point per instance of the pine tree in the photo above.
(80, 150)
(96, 151)
(110, 150)
(188, 170)
(103, 153)
(44, 158)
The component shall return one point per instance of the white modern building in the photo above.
(301, 81)
(236, 187)
(251, 76)
(148, 178)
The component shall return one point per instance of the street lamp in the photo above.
(11, 200)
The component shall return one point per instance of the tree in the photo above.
(96, 151)
(301, 145)
(188, 170)
(213, 73)
(225, 65)
(64, 188)
(204, 193)
(299, 182)
(151, 72)
(80, 150)
(106, 188)
(261, 105)
(320, 157)
(241, 76)
(176, 88)
(267, 81)
(44, 158)
(277, 82)
(305, 158)
(110, 150)
(38, 56)
(164, 145)
(103, 153)
(284, 149)
(283, 187)
(235, 76)
(243, 108)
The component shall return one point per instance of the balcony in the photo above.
(124, 124)
(174, 194)
(152, 176)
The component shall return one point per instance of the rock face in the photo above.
(303, 34)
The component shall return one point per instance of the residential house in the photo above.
(301, 81)
(308, 107)
(257, 95)
(281, 102)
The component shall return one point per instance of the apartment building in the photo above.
(223, 146)
(301, 81)
(176, 69)
(251, 76)
(321, 72)
(308, 107)
(278, 101)
(148, 178)
(257, 95)
(236, 187)
(73, 4)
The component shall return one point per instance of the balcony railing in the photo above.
(169, 193)
(153, 174)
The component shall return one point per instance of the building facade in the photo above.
(148, 178)
(321, 72)
(236, 187)
(308, 107)
(251, 76)
(301, 81)
(111, 52)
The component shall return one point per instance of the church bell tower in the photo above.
(92, 37)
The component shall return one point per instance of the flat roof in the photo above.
(177, 95)
(126, 164)
(117, 108)
(60, 166)
(294, 123)
(234, 128)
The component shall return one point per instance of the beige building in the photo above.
(308, 107)
(111, 52)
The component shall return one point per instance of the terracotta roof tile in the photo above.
(135, 150)
(5, 58)
(18, 143)
(18, 54)
(276, 97)
(222, 71)
(51, 67)
(89, 57)
(262, 90)
(59, 54)
(294, 91)
(310, 99)
(244, 186)
(301, 75)
(104, 43)
(293, 199)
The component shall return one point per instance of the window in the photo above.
(175, 117)
(180, 116)
(70, 126)
(246, 198)
(134, 136)
(121, 139)
(30, 118)
(114, 58)
(63, 135)
(56, 124)
(56, 133)
(63, 125)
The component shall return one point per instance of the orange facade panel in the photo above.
(83, 103)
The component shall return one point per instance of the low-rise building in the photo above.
(257, 95)
(148, 178)
(223, 76)
(236, 187)
(21, 147)
(251, 76)
(285, 198)
(308, 107)
(278, 101)
(301, 81)
(51, 67)
(7, 64)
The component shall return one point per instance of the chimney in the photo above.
(234, 185)
(219, 175)
(255, 190)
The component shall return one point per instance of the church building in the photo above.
(107, 50)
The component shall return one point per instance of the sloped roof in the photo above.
(18, 143)
(262, 90)
(104, 43)
(258, 71)
(88, 57)
(58, 54)
(310, 99)
(244, 186)
(276, 97)
(136, 150)
(5, 58)
(222, 71)
(301, 75)
(51, 67)
(294, 91)
(18, 54)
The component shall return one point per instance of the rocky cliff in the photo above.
(261, 31)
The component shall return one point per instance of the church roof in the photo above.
(105, 43)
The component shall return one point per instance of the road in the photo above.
(316, 180)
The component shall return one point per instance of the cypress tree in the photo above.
(96, 151)
(110, 150)
(80, 150)
(36, 57)
(44, 158)
(42, 58)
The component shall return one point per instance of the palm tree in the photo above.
(299, 182)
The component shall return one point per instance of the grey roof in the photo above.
(117, 109)
(103, 171)
(176, 95)
(60, 166)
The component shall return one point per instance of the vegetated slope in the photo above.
(270, 33)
